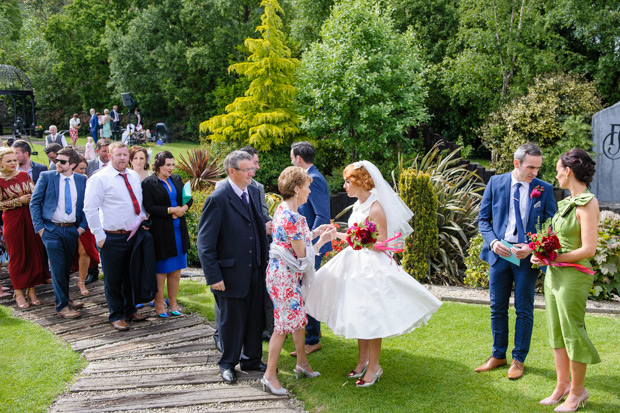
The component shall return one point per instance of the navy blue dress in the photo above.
(178, 262)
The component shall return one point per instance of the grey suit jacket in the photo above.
(261, 188)
(92, 166)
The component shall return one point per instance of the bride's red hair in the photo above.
(358, 176)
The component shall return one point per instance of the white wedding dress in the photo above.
(364, 294)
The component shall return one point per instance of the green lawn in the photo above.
(431, 369)
(35, 366)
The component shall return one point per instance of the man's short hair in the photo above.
(71, 153)
(23, 146)
(249, 149)
(232, 159)
(54, 147)
(527, 149)
(114, 145)
(103, 142)
(305, 150)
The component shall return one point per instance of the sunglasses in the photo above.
(61, 161)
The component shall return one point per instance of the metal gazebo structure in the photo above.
(15, 84)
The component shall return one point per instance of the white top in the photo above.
(74, 123)
(523, 204)
(49, 139)
(108, 205)
(60, 216)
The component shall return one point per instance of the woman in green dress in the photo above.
(567, 288)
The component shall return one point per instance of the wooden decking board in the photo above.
(174, 361)
(183, 348)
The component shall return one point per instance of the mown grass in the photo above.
(35, 367)
(431, 369)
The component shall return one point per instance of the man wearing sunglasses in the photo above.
(57, 213)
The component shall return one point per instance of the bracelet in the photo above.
(168, 211)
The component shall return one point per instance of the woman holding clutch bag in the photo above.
(163, 200)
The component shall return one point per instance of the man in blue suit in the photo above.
(513, 205)
(56, 207)
(316, 211)
(93, 125)
(233, 250)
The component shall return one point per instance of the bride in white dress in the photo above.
(364, 294)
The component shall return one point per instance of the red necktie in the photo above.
(134, 200)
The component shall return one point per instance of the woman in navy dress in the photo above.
(163, 200)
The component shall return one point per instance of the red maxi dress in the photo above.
(27, 263)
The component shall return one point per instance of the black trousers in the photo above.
(241, 326)
(115, 260)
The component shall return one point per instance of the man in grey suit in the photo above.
(102, 158)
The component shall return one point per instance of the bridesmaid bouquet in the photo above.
(362, 235)
(544, 244)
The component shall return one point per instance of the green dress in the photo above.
(567, 289)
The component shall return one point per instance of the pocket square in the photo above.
(537, 204)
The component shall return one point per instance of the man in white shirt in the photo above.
(57, 213)
(102, 158)
(113, 208)
(55, 137)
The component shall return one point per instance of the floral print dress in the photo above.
(284, 285)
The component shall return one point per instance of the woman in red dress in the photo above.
(27, 266)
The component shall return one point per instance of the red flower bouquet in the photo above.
(362, 235)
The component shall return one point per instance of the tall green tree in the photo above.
(11, 21)
(264, 117)
(361, 83)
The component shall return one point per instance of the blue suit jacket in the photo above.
(225, 240)
(37, 168)
(45, 200)
(316, 210)
(493, 215)
(93, 123)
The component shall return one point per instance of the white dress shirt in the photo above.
(60, 216)
(107, 203)
(523, 204)
(239, 191)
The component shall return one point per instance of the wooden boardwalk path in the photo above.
(159, 364)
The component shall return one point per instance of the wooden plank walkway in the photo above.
(160, 364)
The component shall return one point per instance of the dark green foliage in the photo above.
(193, 218)
(606, 262)
(417, 192)
(272, 163)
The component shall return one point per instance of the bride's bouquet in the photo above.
(362, 235)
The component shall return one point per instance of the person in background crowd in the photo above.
(567, 288)
(57, 213)
(89, 149)
(55, 137)
(93, 125)
(22, 151)
(102, 159)
(163, 201)
(138, 119)
(27, 266)
(74, 126)
(138, 161)
(106, 122)
(52, 152)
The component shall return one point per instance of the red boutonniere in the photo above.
(537, 191)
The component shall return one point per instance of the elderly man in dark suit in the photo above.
(512, 205)
(232, 246)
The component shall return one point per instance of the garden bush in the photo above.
(606, 262)
(417, 192)
(477, 272)
(193, 218)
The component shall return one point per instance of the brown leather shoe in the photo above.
(490, 364)
(76, 305)
(516, 370)
(135, 317)
(310, 348)
(120, 325)
(69, 313)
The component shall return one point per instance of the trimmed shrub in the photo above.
(477, 272)
(193, 217)
(418, 193)
(606, 262)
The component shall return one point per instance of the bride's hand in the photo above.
(328, 235)
(321, 229)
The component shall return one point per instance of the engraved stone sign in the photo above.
(606, 136)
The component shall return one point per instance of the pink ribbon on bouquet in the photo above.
(579, 267)
(384, 246)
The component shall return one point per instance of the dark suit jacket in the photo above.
(37, 168)
(225, 237)
(45, 200)
(493, 215)
(316, 210)
(156, 202)
(92, 166)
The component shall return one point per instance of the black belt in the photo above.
(65, 224)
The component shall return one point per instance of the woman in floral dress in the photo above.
(292, 244)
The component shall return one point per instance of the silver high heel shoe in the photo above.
(548, 401)
(362, 383)
(278, 392)
(354, 375)
(306, 373)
